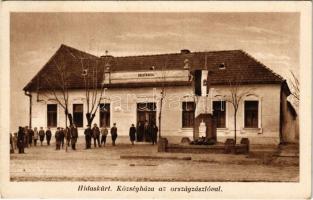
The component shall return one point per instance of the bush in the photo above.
(203, 141)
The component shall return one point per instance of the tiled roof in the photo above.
(238, 66)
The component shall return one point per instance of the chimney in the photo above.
(184, 51)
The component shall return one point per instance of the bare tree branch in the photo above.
(295, 87)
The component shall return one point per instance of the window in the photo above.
(251, 114)
(219, 113)
(52, 115)
(188, 114)
(78, 115)
(104, 114)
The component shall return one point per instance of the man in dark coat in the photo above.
(104, 133)
(20, 140)
(88, 134)
(150, 133)
(114, 134)
(62, 136)
(132, 134)
(48, 136)
(96, 135)
(74, 136)
(140, 131)
(26, 133)
(41, 135)
(154, 134)
(58, 138)
(68, 136)
(30, 136)
(146, 132)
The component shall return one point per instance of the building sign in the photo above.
(147, 76)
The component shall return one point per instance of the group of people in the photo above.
(95, 134)
(26, 137)
(69, 135)
(147, 132)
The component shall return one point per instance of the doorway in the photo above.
(146, 116)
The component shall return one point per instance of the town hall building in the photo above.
(183, 88)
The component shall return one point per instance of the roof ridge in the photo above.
(164, 54)
(256, 60)
(147, 55)
(72, 48)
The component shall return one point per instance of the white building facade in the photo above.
(133, 97)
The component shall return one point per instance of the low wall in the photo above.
(176, 148)
(165, 146)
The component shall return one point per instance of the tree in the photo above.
(93, 77)
(162, 95)
(237, 93)
(55, 83)
(295, 88)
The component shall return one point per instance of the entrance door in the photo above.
(146, 116)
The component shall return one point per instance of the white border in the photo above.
(230, 190)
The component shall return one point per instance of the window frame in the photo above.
(56, 113)
(257, 115)
(225, 113)
(82, 122)
(190, 113)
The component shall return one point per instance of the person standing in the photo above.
(11, 143)
(48, 136)
(30, 136)
(58, 139)
(74, 136)
(146, 132)
(88, 134)
(154, 134)
(36, 134)
(132, 134)
(114, 134)
(150, 132)
(62, 136)
(140, 131)
(68, 136)
(26, 133)
(41, 135)
(104, 133)
(20, 140)
(96, 135)
(15, 140)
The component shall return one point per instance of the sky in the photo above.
(272, 38)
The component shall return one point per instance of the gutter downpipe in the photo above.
(27, 93)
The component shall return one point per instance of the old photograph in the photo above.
(154, 101)
(155, 97)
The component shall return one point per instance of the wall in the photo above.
(269, 109)
(124, 104)
(124, 108)
(290, 123)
